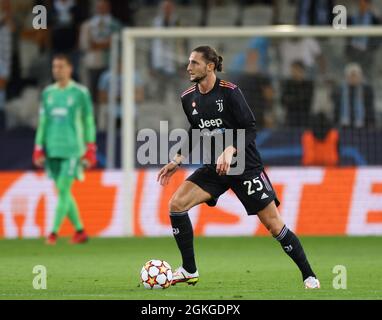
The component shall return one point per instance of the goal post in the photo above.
(130, 37)
(128, 131)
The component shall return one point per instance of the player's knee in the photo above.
(274, 226)
(178, 204)
(271, 220)
(63, 190)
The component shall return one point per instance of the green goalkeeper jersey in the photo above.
(66, 121)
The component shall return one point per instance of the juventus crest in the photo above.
(220, 105)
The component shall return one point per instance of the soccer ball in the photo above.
(156, 274)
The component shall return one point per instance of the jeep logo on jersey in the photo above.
(220, 105)
(210, 123)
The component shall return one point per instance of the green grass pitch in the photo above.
(230, 268)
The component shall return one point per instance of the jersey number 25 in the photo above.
(252, 184)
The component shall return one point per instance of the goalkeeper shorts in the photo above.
(70, 168)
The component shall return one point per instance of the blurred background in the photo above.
(291, 83)
(317, 101)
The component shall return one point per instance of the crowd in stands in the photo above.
(288, 82)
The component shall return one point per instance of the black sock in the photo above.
(184, 236)
(293, 248)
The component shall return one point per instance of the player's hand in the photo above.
(89, 159)
(38, 157)
(224, 161)
(166, 172)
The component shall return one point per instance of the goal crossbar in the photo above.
(266, 31)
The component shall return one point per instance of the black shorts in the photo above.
(253, 189)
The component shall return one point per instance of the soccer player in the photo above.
(215, 104)
(65, 142)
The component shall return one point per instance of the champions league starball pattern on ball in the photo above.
(156, 274)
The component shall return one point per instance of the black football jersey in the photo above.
(224, 107)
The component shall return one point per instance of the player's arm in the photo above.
(90, 156)
(38, 157)
(246, 120)
(187, 146)
(244, 117)
(169, 169)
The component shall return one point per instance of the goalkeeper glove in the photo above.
(38, 156)
(89, 159)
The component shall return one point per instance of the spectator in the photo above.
(362, 49)
(166, 53)
(322, 98)
(163, 58)
(307, 50)
(320, 143)
(103, 95)
(274, 4)
(255, 59)
(34, 45)
(250, 72)
(6, 28)
(297, 96)
(65, 18)
(315, 12)
(95, 42)
(354, 100)
(125, 11)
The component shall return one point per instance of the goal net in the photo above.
(315, 93)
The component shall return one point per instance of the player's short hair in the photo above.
(61, 56)
(210, 55)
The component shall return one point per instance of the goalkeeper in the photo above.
(65, 142)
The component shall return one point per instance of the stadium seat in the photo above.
(189, 15)
(222, 16)
(287, 13)
(257, 15)
(145, 15)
